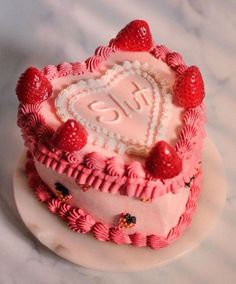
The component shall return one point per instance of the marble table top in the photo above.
(51, 31)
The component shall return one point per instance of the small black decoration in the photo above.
(62, 192)
(127, 221)
(189, 183)
(130, 219)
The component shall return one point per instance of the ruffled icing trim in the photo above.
(80, 221)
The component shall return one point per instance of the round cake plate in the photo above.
(86, 251)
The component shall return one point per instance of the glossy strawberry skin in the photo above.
(189, 88)
(163, 161)
(70, 136)
(135, 36)
(33, 87)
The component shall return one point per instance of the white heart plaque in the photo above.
(126, 109)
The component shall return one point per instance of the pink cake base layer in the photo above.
(82, 221)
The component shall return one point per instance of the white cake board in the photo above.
(85, 250)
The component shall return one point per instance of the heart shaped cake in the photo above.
(114, 142)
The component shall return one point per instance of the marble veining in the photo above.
(50, 31)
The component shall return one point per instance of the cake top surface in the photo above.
(129, 105)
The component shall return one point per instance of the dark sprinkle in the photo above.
(188, 184)
(130, 219)
(65, 192)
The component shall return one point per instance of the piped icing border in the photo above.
(81, 222)
(111, 174)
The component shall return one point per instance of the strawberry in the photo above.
(33, 87)
(163, 161)
(189, 88)
(135, 36)
(70, 136)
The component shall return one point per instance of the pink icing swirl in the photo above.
(72, 159)
(72, 219)
(191, 117)
(183, 146)
(115, 166)
(188, 132)
(160, 52)
(101, 231)
(34, 179)
(64, 69)
(78, 68)
(54, 205)
(95, 161)
(85, 223)
(180, 69)
(103, 51)
(93, 62)
(34, 120)
(118, 236)
(29, 108)
(174, 59)
(135, 170)
(45, 133)
(185, 220)
(42, 193)
(63, 210)
(138, 239)
(156, 242)
(50, 71)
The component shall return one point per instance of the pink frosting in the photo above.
(160, 51)
(180, 69)
(95, 161)
(44, 133)
(138, 239)
(183, 146)
(135, 170)
(85, 223)
(117, 236)
(64, 69)
(185, 220)
(174, 59)
(34, 179)
(50, 71)
(63, 210)
(29, 108)
(104, 51)
(101, 231)
(93, 62)
(42, 193)
(156, 242)
(192, 116)
(115, 166)
(73, 217)
(188, 132)
(70, 157)
(78, 68)
(54, 205)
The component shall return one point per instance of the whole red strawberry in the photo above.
(189, 88)
(33, 87)
(70, 136)
(135, 36)
(163, 161)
